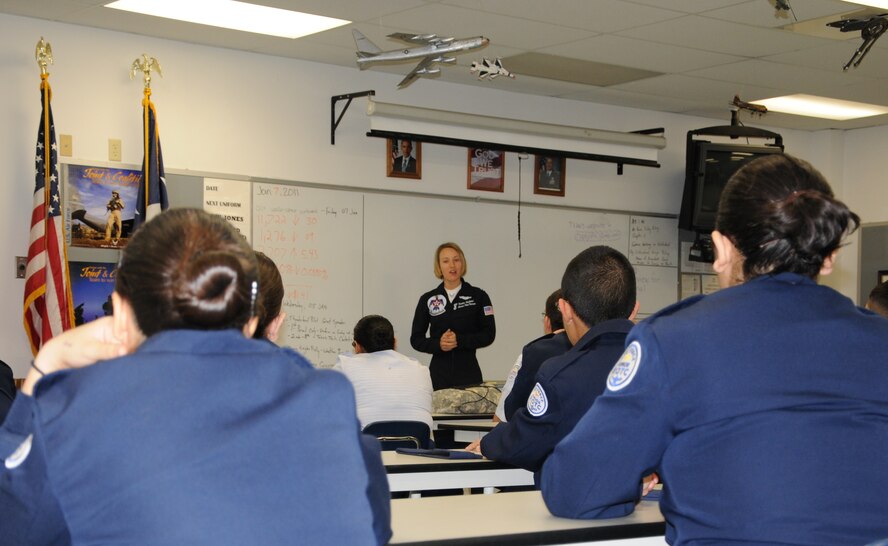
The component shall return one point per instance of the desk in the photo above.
(459, 416)
(466, 430)
(515, 518)
(414, 473)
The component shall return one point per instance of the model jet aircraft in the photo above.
(871, 29)
(431, 50)
(490, 69)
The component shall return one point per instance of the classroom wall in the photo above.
(232, 112)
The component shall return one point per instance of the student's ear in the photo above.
(273, 328)
(395, 343)
(250, 327)
(634, 311)
(829, 262)
(728, 260)
(124, 327)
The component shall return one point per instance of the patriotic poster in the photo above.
(101, 205)
(486, 169)
(91, 285)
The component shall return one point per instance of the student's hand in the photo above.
(648, 483)
(81, 346)
(474, 447)
(448, 341)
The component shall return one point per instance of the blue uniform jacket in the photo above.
(470, 316)
(764, 409)
(566, 386)
(196, 438)
(532, 357)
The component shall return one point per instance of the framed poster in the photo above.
(486, 170)
(883, 276)
(404, 158)
(101, 205)
(548, 177)
(91, 287)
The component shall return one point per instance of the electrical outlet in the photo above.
(66, 145)
(21, 265)
(114, 152)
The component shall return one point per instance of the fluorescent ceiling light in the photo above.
(883, 4)
(233, 15)
(821, 107)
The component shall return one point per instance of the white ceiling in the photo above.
(706, 51)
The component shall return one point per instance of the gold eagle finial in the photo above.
(145, 65)
(43, 54)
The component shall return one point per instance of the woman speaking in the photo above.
(452, 321)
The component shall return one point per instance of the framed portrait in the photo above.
(883, 276)
(548, 176)
(486, 170)
(404, 158)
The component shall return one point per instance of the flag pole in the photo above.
(146, 65)
(48, 304)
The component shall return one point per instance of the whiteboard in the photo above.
(373, 253)
(315, 238)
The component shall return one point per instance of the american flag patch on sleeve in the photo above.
(488, 310)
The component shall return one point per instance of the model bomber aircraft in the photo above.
(871, 29)
(431, 49)
(490, 69)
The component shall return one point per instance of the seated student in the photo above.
(388, 385)
(7, 389)
(598, 301)
(878, 299)
(271, 297)
(185, 431)
(523, 375)
(763, 406)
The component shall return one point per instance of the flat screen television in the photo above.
(709, 167)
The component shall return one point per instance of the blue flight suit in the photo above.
(199, 437)
(763, 408)
(566, 386)
(532, 357)
(470, 316)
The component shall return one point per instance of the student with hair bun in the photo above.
(183, 430)
(763, 407)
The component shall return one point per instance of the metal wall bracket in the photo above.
(334, 121)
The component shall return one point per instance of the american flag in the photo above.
(48, 310)
(152, 188)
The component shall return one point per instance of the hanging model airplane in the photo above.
(490, 69)
(871, 29)
(431, 50)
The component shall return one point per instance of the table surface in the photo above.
(456, 416)
(510, 518)
(480, 425)
(395, 462)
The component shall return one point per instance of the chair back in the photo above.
(395, 434)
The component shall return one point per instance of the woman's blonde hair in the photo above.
(454, 246)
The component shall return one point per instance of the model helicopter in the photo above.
(431, 50)
(871, 29)
(490, 69)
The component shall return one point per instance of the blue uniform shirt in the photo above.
(565, 388)
(532, 357)
(196, 438)
(764, 409)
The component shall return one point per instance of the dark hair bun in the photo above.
(212, 292)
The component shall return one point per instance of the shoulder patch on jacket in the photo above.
(20, 454)
(537, 403)
(624, 370)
